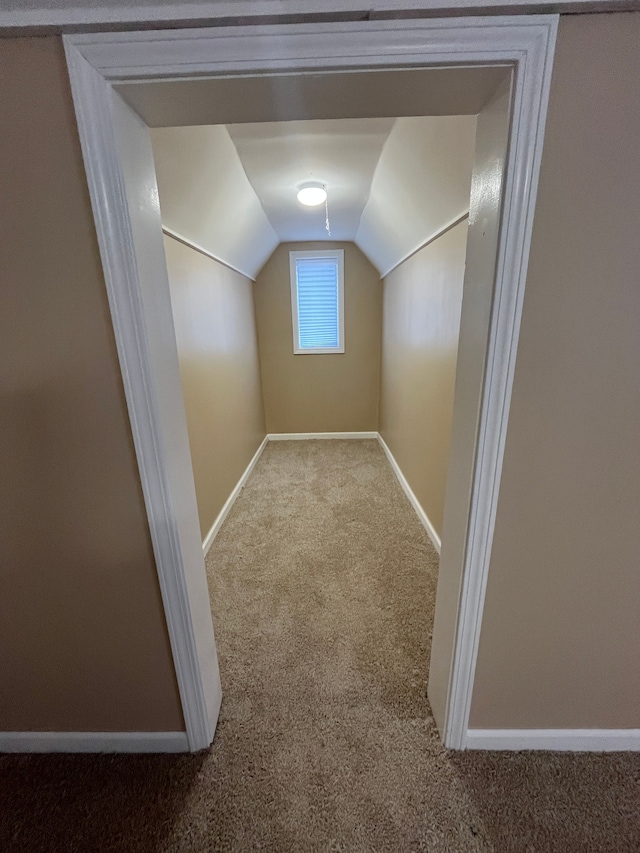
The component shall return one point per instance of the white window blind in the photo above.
(317, 297)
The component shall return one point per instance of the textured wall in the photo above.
(560, 634)
(83, 643)
(217, 347)
(422, 300)
(322, 392)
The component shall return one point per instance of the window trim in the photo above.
(338, 254)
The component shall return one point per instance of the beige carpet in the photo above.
(322, 585)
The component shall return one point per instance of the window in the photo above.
(317, 301)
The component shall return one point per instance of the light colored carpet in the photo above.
(322, 586)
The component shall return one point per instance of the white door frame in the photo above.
(100, 60)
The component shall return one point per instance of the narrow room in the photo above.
(396, 209)
(336, 319)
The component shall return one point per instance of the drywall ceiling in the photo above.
(422, 183)
(206, 198)
(392, 184)
(304, 97)
(341, 154)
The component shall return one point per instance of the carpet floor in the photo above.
(322, 586)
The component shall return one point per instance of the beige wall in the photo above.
(320, 393)
(475, 320)
(82, 638)
(421, 322)
(217, 348)
(83, 643)
(560, 640)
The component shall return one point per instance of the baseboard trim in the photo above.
(306, 436)
(566, 740)
(94, 742)
(224, 512)
(415, 503)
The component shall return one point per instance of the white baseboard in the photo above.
(415, 503)
(306, 436)
(224, 512)
(567, 740)
(94, 742)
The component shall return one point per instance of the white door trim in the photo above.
(97, 61)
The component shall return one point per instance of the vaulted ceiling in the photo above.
(391, 184)
(342, 154)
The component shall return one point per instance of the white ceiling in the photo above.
(421, 184)
(342, 154)
(239, 99)
(392, 184)
(205, 196)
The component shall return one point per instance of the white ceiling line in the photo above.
(174, 234)
(439, 233)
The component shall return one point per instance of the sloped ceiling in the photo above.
(206, 198)
(343, 154)
(422, 182)
(392, 184)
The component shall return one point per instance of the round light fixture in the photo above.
(312, 194)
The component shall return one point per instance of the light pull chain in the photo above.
(326, 213)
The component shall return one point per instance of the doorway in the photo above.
(279, 72)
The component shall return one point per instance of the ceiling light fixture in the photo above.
(312, 194)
